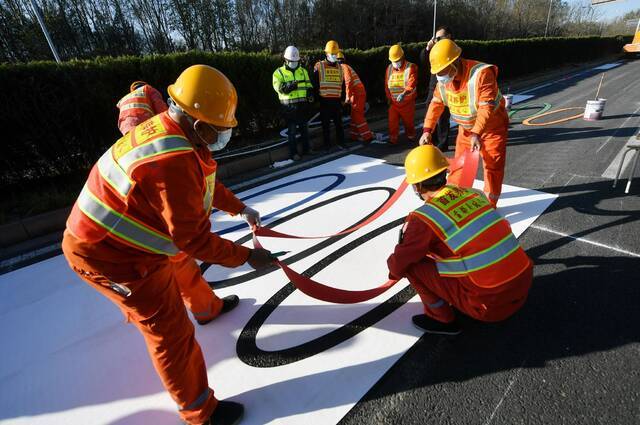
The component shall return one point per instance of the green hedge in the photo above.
(59, 118)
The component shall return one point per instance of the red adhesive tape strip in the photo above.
(464, 169)
(326, 293)
(263, 231)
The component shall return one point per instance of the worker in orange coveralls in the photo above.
(457, 251)
(142, 103)
(148, 199)
(470, 90)
(401, 87)
(356, 96)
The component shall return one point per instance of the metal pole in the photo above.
(36, 10)
(546, 29)
(435, 7)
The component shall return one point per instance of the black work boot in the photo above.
(227, 413)
(432, 326)
(228, 303)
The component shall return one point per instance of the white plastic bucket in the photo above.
(508, 101)
(594, 109)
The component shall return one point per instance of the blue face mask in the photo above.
(221, 142)
(444, 79)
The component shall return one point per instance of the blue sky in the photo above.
(614, 9)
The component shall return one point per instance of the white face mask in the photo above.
(397, 65)
(292, 64)
(223, 138)
(332, 58)
(444, 79)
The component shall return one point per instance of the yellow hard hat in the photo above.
(423, 163)
(206, 94)
(136, 84)
(395, 53)
(443, 54)
(332, 47)
(340, 55)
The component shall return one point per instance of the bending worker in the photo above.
(457, 251)
(293, 86)
(329, 84)
(140, 104)
(356, 96)
(441, 132)
(401, 88)
(148, 198)
(470, 90)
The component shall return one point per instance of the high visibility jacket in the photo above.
(110, 206)
(484, 248)
(464, 102)
(330, 79)
(284, 75)
(352, 82)
(402, 80)
(142, 103)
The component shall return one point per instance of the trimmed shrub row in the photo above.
(59, 118)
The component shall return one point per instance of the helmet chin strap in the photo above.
(191, 123)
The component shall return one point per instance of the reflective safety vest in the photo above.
(285, 75)
(463, 103)
(136, 104)
(101, 210)
(485, 249)
(351, 80)
(330, 79)
(397, 79)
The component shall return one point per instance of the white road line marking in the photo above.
(578, 74)
(515, 378)
(601, 245)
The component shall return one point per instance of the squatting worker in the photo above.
(328, 82)
(441, 132)
(141, 218)
(457, 251)
(356, 96)
(401, 83)
(141, 103)
(292, 84)
(470, 90)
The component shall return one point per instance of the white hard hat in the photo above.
(291, 54)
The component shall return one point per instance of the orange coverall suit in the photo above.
(357, 97)
(405, 81)
(138, 106)
(447, 228)
(475, 88)
(168, 191)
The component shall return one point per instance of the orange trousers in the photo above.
(440, 295)
(359, 129)
(405, 112)
(156, 306)
(493, 153)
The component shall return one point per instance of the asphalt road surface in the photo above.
(572, 354)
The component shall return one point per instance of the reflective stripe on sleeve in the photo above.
(128, 106)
